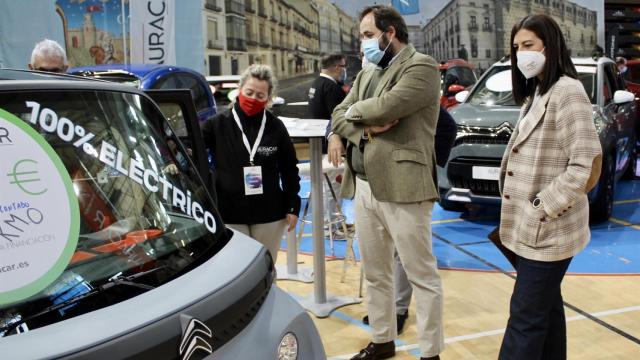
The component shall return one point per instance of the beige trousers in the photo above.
(268, 234)
(407, 226)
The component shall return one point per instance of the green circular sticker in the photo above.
(39, 215)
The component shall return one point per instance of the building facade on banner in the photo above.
(416, 37)
(480, 30)
(214, 29)
(349, 33)
(330, 32)
(279, 33)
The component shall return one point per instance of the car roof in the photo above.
(576, 61)
(454, 62)
(12, 79)
(138, 70)
(223, 78)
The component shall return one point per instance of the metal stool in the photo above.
(336, 217)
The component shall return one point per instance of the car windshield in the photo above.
(143, 212)
(456, 75)
(494, 89)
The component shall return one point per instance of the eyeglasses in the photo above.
(53, 70)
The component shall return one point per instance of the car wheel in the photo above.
(602, 207)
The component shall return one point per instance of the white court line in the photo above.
(498, 331)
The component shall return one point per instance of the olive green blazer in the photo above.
(400, 163)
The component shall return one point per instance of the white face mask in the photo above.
(531, 63)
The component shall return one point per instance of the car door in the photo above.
(179, 110)
(622, 116)
(202, 98)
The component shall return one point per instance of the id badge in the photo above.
(253, 180)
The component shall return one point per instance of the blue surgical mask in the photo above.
(372, 51)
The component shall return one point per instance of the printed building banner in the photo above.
(153, 32)
(95, 31)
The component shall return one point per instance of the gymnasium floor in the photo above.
(601, 290)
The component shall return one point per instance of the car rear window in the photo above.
(144, 216)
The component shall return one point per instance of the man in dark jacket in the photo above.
(325, 94)
(326, 91)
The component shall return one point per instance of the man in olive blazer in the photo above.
(389, 119)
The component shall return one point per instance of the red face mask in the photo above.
(251, 106)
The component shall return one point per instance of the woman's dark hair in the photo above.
(558, 57)
(386, 16)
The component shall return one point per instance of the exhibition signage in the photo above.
(39, 215)
(153, 32)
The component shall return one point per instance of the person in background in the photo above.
(325, 94)
(389, 119)
(254, 155)
(48, 56)
(621, 62)
(551, 162)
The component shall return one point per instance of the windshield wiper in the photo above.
(115, 280)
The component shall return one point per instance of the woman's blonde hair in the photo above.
(260, 72)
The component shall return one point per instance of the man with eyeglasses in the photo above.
(325, 93)
(48, 56)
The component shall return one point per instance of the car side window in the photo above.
(198, 92)
(167, 82)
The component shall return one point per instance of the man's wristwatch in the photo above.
(537, 203)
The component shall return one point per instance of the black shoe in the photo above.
(400, 320)
(437, 357)
(375, 351)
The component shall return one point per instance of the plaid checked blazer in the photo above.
(556, 156)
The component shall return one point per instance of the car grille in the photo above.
(482, 139)
(484, 135)
(460, 175)
(478, 187)
(239, 315)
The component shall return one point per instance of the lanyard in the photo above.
(252, 152)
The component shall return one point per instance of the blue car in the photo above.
(150, 76)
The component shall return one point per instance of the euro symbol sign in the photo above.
(21, 176)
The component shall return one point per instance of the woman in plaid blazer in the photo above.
(551, 162)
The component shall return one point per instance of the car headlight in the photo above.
(288, 349)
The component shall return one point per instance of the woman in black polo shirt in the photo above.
(257, 180)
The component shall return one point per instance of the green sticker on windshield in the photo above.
(39, 214)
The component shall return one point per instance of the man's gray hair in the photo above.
(260, 72)
(48, 49)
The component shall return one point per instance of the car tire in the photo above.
(602, 207)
